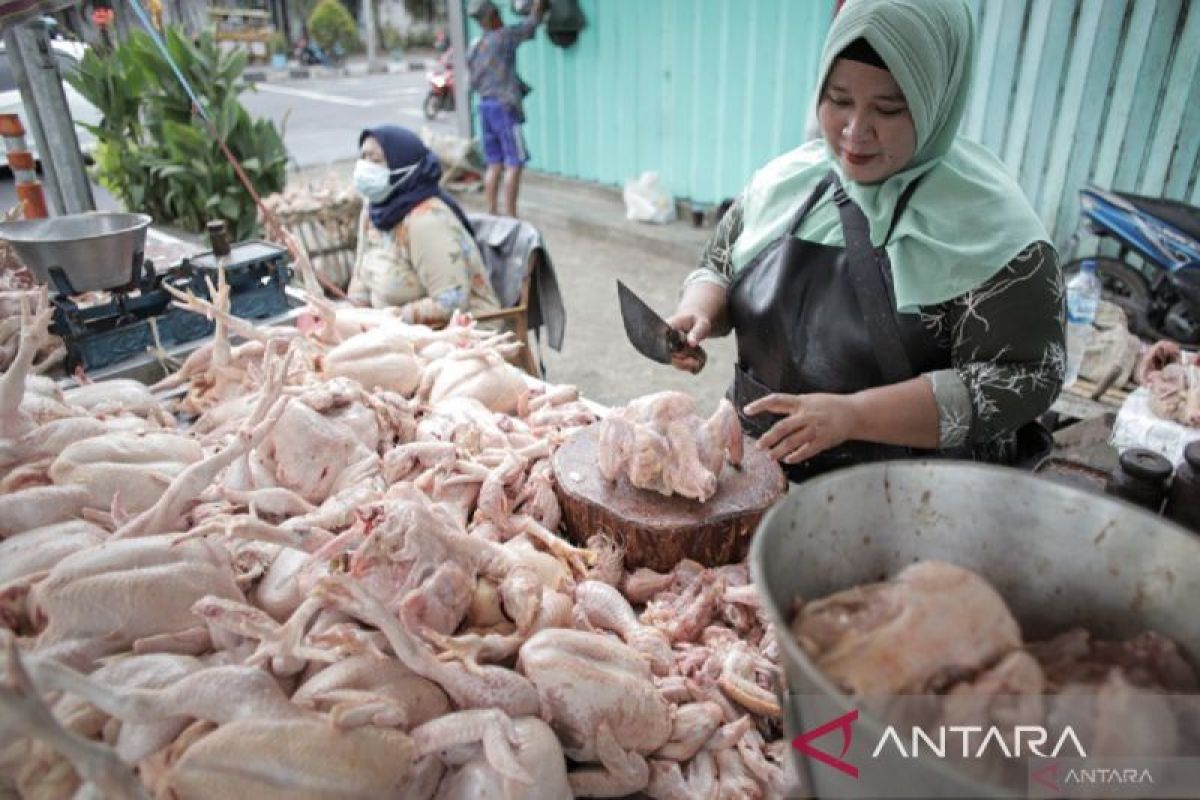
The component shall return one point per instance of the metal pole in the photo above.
(369, 17)
(462, 80)
(49, 118)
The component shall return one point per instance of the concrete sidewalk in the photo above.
(592, 246)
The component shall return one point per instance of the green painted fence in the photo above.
(704, 91)
(1070, 92)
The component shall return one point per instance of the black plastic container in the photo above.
(1183, 501)
(1141, 478)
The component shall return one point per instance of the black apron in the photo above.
(814, 318)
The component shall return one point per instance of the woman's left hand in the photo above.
(811, 424)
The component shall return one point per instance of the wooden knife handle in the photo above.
(698, 354)
(680, 347)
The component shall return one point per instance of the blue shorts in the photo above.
(503, 142)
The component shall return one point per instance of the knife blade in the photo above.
(650, 334)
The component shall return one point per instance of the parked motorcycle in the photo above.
(1161, 296)
(440, 96)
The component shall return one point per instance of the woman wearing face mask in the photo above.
(416, 249)
(892, 291)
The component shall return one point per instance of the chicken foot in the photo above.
(189, 483)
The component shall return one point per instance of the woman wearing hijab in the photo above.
(892, 291)
(416, 249)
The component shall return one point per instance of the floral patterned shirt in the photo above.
(428, 264)
(1006, 339)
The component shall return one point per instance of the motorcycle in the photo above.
(310, 54)
(1161, 296)
(440, 96)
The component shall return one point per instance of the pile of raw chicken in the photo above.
(341, 578)
(661, 444)
(1173, 379)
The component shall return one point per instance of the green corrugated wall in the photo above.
(1070, 92)
(701, 91)
(704, 91)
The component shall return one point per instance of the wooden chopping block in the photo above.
(658, 531)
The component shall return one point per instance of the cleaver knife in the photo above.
(650, 334)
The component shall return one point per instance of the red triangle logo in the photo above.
(844, 723)
(1047, 777)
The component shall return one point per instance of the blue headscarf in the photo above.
(402, 149)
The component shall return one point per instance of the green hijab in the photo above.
(966, 220)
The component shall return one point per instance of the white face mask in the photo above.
(372, 180)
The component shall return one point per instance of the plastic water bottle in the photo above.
(1083, 299)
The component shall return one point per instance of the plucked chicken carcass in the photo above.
(131, 468)
(482, 374)
(382, 358)
(129, 594)
(1173, 379)
(601, 701)
(926, 627)
(660, 443)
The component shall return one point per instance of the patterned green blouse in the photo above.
(1006, 339)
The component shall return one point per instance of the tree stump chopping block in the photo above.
(658, 531)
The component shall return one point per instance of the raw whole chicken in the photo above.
(381, 358)
(136, 593)
(1173, 379)
(484, 376)
(601, 701)
(930, 624)
(660, 443)
(537, 750)
(133, 468)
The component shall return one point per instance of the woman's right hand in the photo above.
(697, 327)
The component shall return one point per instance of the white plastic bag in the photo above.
(1137, 426)
(646, 201)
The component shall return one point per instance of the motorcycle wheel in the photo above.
(432, 105)
(1181, 324)
(1120, 284)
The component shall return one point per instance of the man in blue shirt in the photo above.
(492, 62)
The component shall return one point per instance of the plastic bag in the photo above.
(1138, 426)
(647, 201)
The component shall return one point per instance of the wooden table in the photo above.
(1084, 399)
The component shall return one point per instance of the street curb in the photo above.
(296, 72)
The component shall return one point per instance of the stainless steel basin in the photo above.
(1059, 556)
(96, 251)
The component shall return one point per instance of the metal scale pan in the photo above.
(77, 253)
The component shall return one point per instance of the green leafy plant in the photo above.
(419, 36)
(159, 157)
(279, 43)
(330, 23)
(390, 36)
(427, 10)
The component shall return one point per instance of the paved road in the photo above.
(321, 118)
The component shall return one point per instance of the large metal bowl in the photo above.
(96, 251)
(1059, 556)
